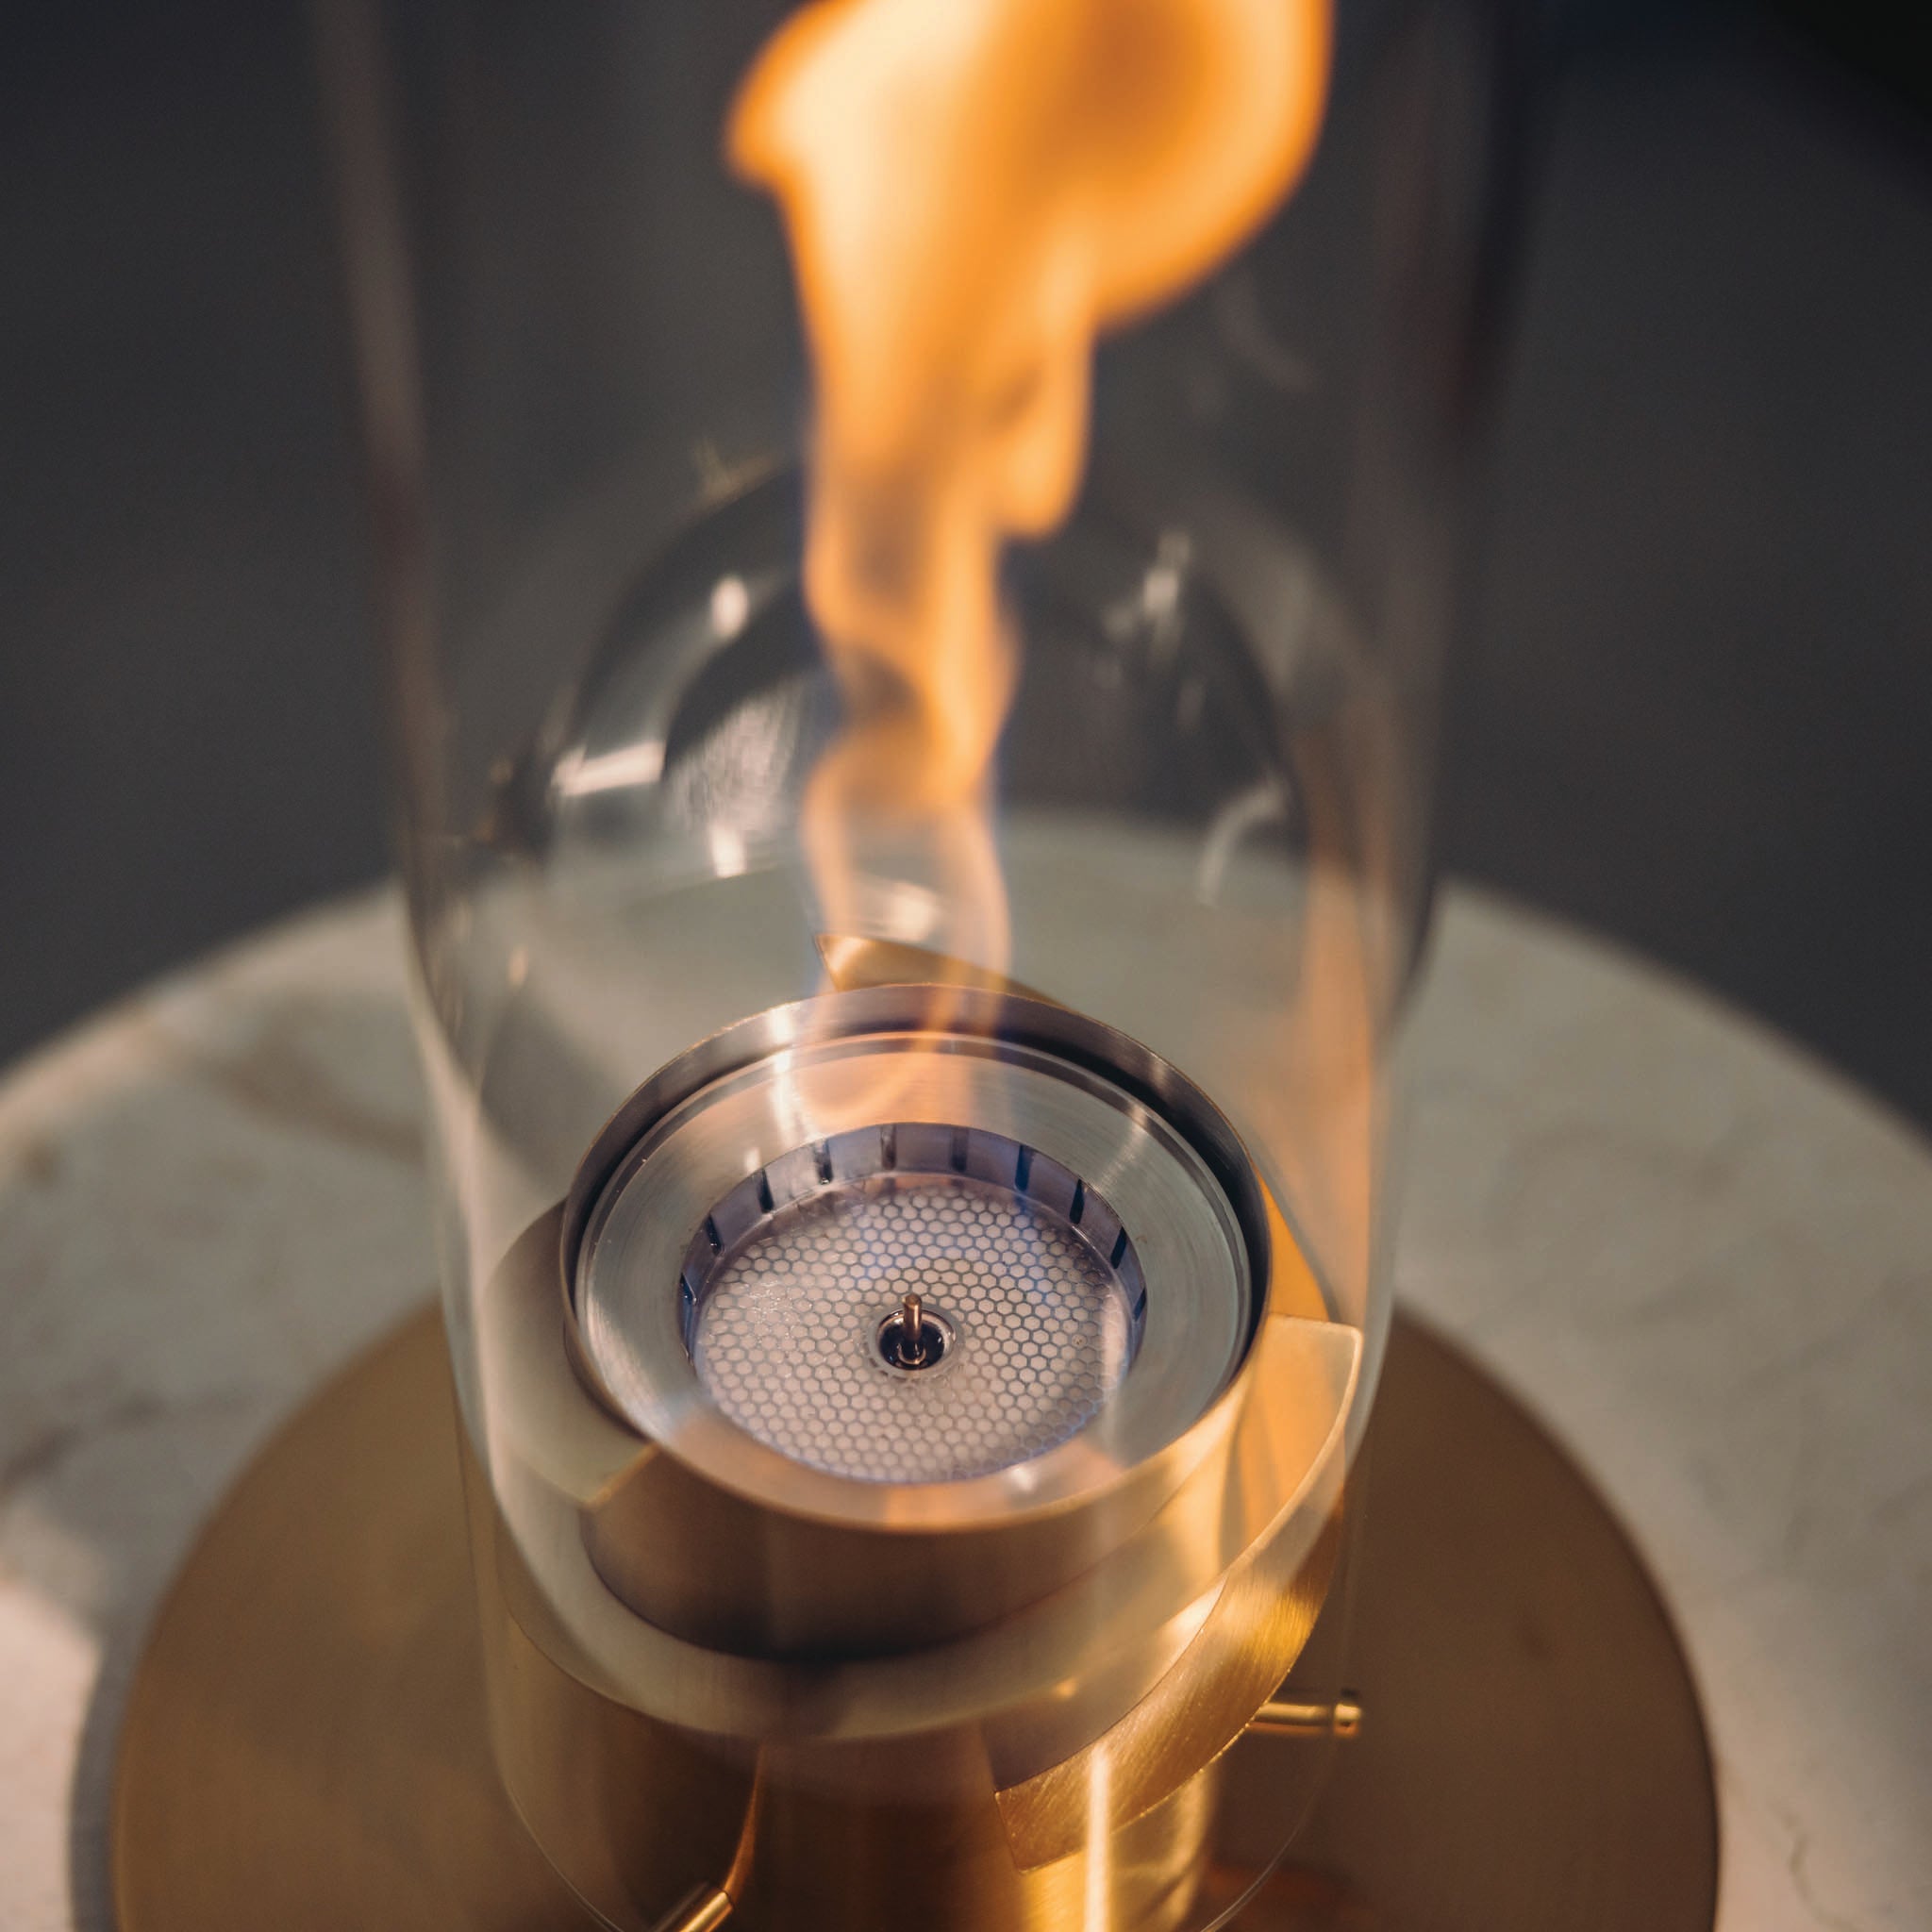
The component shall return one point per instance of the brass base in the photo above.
(306, 1745)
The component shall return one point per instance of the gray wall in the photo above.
(1691, 715)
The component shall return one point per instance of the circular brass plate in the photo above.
(1532, 1758)
(305, 1745)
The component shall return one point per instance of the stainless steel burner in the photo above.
(1025, 1320)
(746, 1236)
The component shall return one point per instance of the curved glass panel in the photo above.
(910, 1363)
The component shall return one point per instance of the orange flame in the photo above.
(974, 189)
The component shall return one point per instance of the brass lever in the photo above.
(703, 1909)
(1280, 1719)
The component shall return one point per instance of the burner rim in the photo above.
(953, 1028)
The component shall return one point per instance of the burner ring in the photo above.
(834, 1108)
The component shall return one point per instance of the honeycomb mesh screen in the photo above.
(785, 1339)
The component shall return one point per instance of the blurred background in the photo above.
(1692, 708)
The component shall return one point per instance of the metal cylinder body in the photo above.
(1027, 1672)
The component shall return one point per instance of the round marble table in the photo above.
(1705, 1260)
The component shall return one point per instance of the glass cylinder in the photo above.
(915, 1278)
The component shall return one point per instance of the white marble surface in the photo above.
(1706, 1261)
